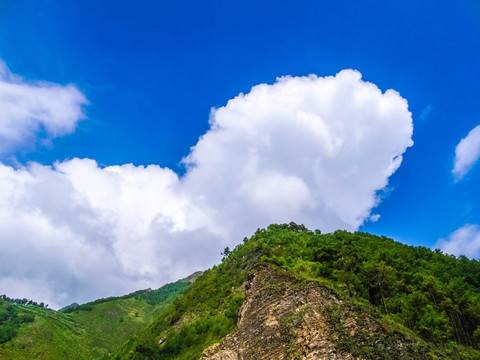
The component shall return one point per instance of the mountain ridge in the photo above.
(422, 294)
(89, 331)
(311, 295)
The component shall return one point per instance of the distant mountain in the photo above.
(89, 331)
(285, 293)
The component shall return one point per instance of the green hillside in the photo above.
(428, 297)
(52, 335)
(377, 298)
(88, 331)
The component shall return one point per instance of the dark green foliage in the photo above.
(85, 307)
(414, 290)
(226, 252)
(22, 301)
(10, 319)
(202, 316)
(435, 295)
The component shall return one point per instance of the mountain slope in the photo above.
(88, 331)
(374, 298)
(52, 335)
(287, 318)
(285, 293)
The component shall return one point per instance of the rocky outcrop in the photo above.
(285, 318)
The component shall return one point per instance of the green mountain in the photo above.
(88, 331)
(374, 298)
(285, 293)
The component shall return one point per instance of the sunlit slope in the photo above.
(88, 331)
(373, 295)
(305, 294)
(52, 335)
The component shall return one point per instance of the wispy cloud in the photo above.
(307, 149)
(27, 107)
(463, 241)
(467, 153)
(426, 112)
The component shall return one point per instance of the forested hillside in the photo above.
(430, 298)
(436, 295)
(371, 296)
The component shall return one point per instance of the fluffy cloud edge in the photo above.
(28, 107)
(467, 153)
(463, 241)
(313, 150)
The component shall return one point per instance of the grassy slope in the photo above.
(423, 294)
(202, 316)
(111, 323)
(420, 293)
(92, 334)
(53, 335)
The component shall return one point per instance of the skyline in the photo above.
(138, 142)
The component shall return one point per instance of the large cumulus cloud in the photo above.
(307, 149)
(75, 231)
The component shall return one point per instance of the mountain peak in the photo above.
(286, 318)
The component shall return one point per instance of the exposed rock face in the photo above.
(283, 318)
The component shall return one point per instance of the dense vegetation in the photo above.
(90, 331)
(52, 335)
(205, 313)
(11, 316)
(415, 291)
(22, 301)
(434, 295)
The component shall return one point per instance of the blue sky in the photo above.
(151, 71)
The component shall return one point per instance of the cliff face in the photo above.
(290, 293)
(285, 318)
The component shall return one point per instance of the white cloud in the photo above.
(463, 241)
(77, 231)
(309, 149)
(306, 149)
(26, 108)
(467, 153)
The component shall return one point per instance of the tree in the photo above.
(226, 253)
